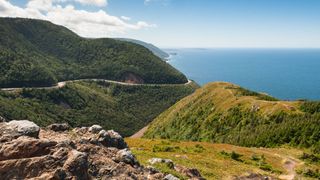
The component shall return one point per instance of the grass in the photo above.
(222, 112)
(218, 161)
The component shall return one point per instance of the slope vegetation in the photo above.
(39, 53)
(226, 113)
(224, 161)
(124, 108)
(154, 49)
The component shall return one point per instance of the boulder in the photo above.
(25, 127)
(15, 129)
(2, 119)
(170, 177)
(59, 127)
(126, 156)
(95, 129)
(112, 139)
(189, 172)
(169, 162)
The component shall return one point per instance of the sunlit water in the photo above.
(283, 73)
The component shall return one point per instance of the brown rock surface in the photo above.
(74, 154)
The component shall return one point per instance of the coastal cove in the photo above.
(287, 74)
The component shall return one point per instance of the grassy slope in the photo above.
(213, 164)
(39, 53)
(226, 113)
(125, 109)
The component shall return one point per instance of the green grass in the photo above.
(125, 109)
(219, 161)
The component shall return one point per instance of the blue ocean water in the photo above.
(288, 74)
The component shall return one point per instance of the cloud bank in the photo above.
(84, 23)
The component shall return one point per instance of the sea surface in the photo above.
(287, 74)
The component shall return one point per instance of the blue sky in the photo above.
(206, 23)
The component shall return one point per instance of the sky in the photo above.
(183, 23)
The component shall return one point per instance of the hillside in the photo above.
(124, 108)
(39, 53)
(154, 49)
(228, 162)
(226, 113)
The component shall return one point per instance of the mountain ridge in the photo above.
(156, 51)
(225, 113)
(40, 53)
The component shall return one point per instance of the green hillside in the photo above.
(226, 113)
(123, 108)
(154, 49)
(39, 53)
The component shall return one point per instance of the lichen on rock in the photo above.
(28, 152)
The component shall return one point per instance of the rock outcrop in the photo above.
(191, 173)
(2, 119)
(15, 129)
(59, 127)
(27, 152)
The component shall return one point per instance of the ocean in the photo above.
(287, 74)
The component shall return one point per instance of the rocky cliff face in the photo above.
(56, 152)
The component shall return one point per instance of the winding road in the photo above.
(63, 83)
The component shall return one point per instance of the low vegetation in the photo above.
(221, 161)
(226, 113)
(125, 109)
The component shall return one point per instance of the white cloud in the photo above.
(84, 23)
(126, 18)
(93, 2)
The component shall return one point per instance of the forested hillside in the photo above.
(156, 51)
(226, 113)
(39, 53)
(125, 109)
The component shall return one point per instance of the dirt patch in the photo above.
(140, 133)
(132, 78)
(289, 165)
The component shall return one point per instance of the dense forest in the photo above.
(226, 113)
(125, 109)
(39, 53)
(154, 49)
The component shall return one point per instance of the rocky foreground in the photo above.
(58, 152)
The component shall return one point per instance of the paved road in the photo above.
(63, 83)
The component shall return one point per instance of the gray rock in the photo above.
(126, 156)
(170, 177)
(59, 127)
(169, 162)
(112, 139)
(24, 128)
(152, 170)
(2, 119)
(102, 133)
(95, 129)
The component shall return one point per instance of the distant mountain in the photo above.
(39, 53)
(156, 51)
(226, 113)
